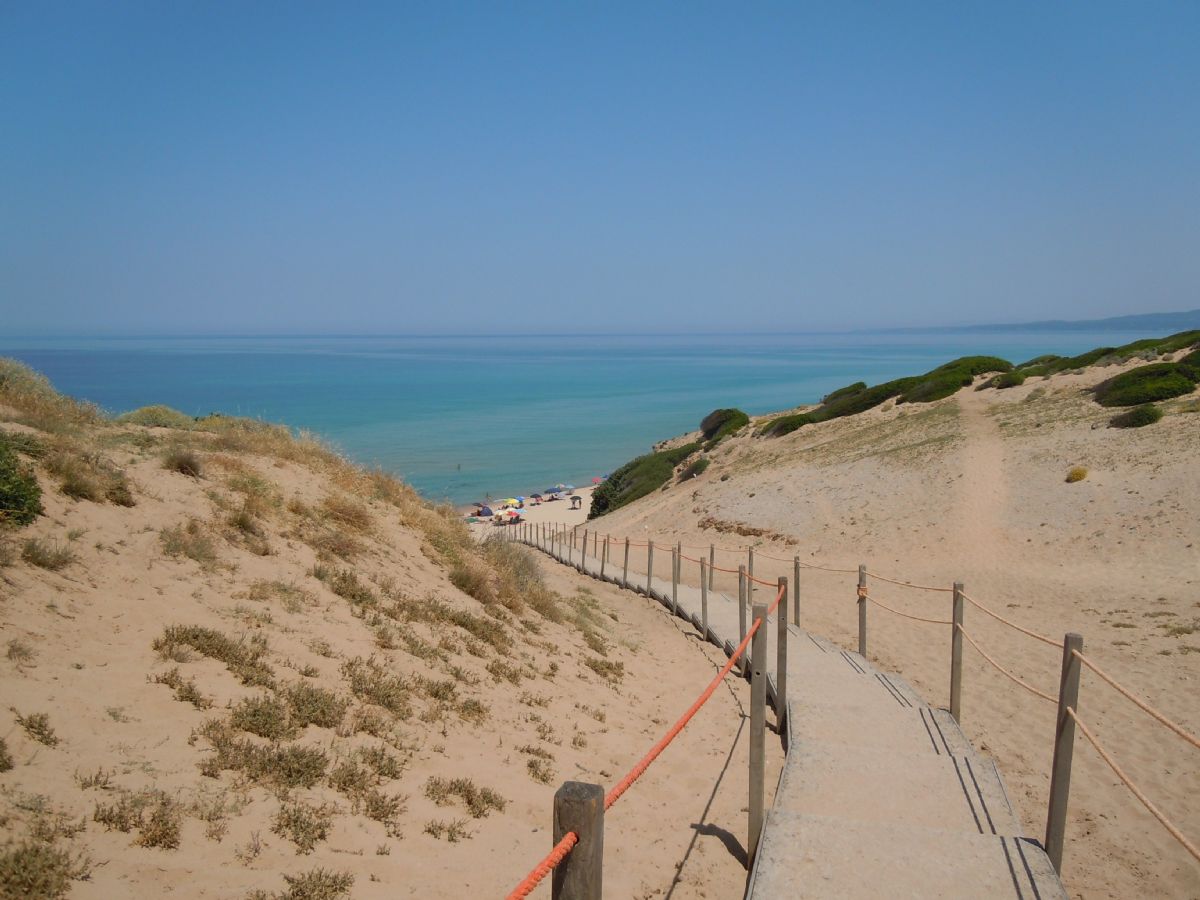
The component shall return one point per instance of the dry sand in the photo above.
(973, 488)
(80, 650)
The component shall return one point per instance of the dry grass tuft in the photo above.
(46, 554)
(154, 815)
(192, 540)
(372, 681)
(1077, 473)
(184, 461)
(186, 690)
(479, 801)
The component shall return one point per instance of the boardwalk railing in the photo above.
(570, 545)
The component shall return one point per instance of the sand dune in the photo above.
(287, 666)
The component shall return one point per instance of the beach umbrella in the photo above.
(596, 480)
(520, 499)
(486, 511)
(536, 496)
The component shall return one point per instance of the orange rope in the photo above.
(909, 584)
(999, 618)
(545, 867)
(1141, 704)
(644, 763)
(907, 616)
(1003, 670)
(1112, 764)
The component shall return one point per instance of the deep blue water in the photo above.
(461, 417)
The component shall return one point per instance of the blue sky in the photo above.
(297, 167)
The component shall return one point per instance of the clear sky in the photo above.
(290, 167)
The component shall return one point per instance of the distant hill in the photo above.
(1149, 322)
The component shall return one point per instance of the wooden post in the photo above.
(712, 561)
(1064, 748)
(744, 668)
(750, 574)
(603, 557)
(956, 653)
(583, 552)
(796, 591)
(758, 728)
(596, 543)
(579, 807)
(781, 635)
(675, 579)
(649, 564)
(862, 611)
(704, 598)
(625, 569)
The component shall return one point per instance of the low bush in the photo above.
(192, 540)
(85, 475)
(695, 468)
(1146, 384)
(1138, 417)
(20, 495)
(721, 423)
(1077, 473)
(1009, 380)
(637, 478)
(315, 885)
(311, 705)
(848, 391)
(35, 870)
(265, 716)
(304, 824)
(157, 416)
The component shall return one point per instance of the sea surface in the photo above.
(463, 418)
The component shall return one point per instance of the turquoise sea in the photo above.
(464, 417)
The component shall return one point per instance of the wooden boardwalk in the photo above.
(880, 794)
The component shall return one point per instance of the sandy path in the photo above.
(982, 494)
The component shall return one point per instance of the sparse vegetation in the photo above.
(453, 831)
(47, 554)
(84, 474)
(372, 681)
(540, 770)
(304, 824)
(695, 468)
(1076, 473)
(37, 726)
(184, 461)
(191, 539)
(478, 801)
(244, 658)
(310, 705)
(264, 715)
(606, 669)
(154, 815)
(286, 766)
(185, 690)
(20, 653)
(315, 885)
(6, 760)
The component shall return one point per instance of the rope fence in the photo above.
(1139, 703)
(1134, 789)
(1005, 672)
(1071, 646)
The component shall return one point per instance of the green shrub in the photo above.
(1190, 365)
(20, 495)
(637, 478)
(720, 423)
(694, 469)
(848, 391)
(1138, 417)
(315, 885)
(1009, 380)
(1146, 384)
(265, 716)
(157, 417)
(1077, 473)
(787, 424)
